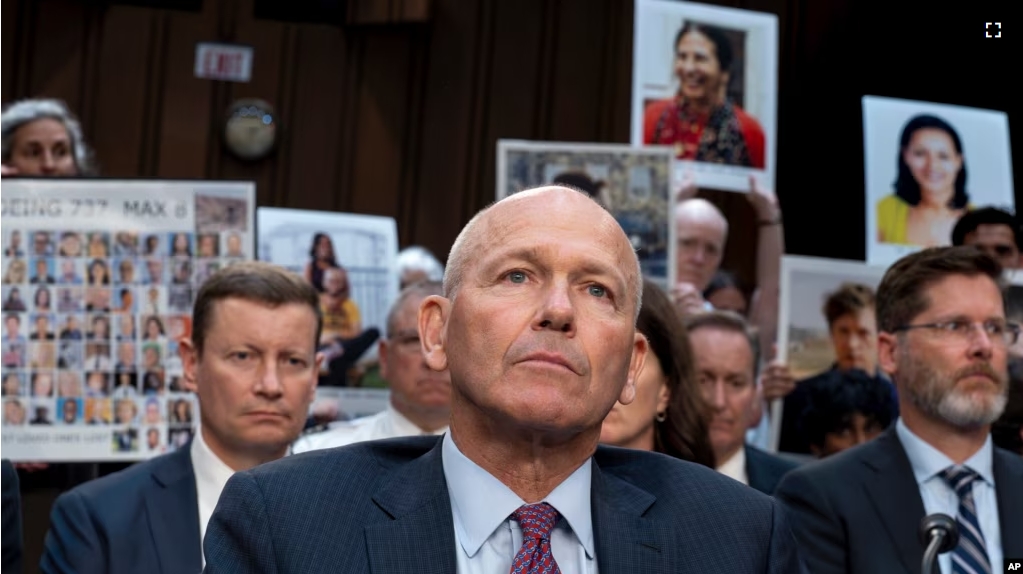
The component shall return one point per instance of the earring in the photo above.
(660, 417)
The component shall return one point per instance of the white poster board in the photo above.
(633, 183)
(711, 95)
(930, 168)
(804, 342)
(366, 246)
(99, 278)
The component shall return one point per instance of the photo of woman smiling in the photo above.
(930, 189)
(703, 121)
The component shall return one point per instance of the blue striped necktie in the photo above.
(970, 556)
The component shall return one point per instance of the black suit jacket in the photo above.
(142, 519)
(764, 470)
(383, 506)
(12, 537)
(858, 512)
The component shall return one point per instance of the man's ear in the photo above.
(383, 348)
(189, 363)
(639, 351)
(887, 352)
(434, 313)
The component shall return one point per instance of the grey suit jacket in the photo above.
(142, 519)
(858, 512)
(383, 506)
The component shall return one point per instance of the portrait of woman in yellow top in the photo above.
(930, 189)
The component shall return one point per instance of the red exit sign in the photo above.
(230, 62)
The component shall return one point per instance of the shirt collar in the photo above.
(927, 462)
(404, 427)
(482, 503)
(735, 467)
(209, 470)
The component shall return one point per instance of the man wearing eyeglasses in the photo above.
(420, 398)
(943, 337)
(995, 231)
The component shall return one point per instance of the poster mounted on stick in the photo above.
(99, 278)
(705, 83)
(805, 341)
(351, 259)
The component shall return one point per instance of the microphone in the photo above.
(939, 533)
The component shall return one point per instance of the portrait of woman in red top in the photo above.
(701, 121)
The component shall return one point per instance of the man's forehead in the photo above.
(991, 231)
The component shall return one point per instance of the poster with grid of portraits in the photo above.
(98, 282)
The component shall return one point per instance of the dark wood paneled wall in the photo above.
(402, 119)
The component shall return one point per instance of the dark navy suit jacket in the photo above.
(859, 511)
(383, 506)
(142, 519)
(12, 537)
(765, 470)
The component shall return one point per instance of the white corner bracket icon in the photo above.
(989, 26)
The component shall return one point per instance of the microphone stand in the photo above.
(930, 562)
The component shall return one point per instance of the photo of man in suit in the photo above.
(252, 362)
(537, 329)
(944, 339)
(726, 353)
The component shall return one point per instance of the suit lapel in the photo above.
(172, 504)
(420, 532)
(892, 489)
(755, 471)
(624, 539)
(1008, 471)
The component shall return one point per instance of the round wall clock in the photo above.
(251, 129)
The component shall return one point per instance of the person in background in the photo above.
(727, 360)
(930, 189)
(943, 337)
(254, 387)
(14, 302)
(417, 263)
(724, 292)
(43, 138)
(852, 327)
(420, 399)
(850, 408)
(995, 231)
(668, 414)
(322, 257)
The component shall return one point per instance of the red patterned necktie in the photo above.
(537, 521)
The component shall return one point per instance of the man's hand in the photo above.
(777, 381)
(688, 299)
(686, 187)
(763, 200)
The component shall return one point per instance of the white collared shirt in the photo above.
(388, 423)
(928, 462)
(487, 538)
(735, 467)
(211, 475)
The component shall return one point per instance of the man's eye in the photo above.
(597, 291)
(517, 277)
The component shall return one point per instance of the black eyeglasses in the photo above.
(997, 331)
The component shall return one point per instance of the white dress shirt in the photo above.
(487, 538)
(388, 423)
(928, 462)
(211, 475)
(735, 467)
